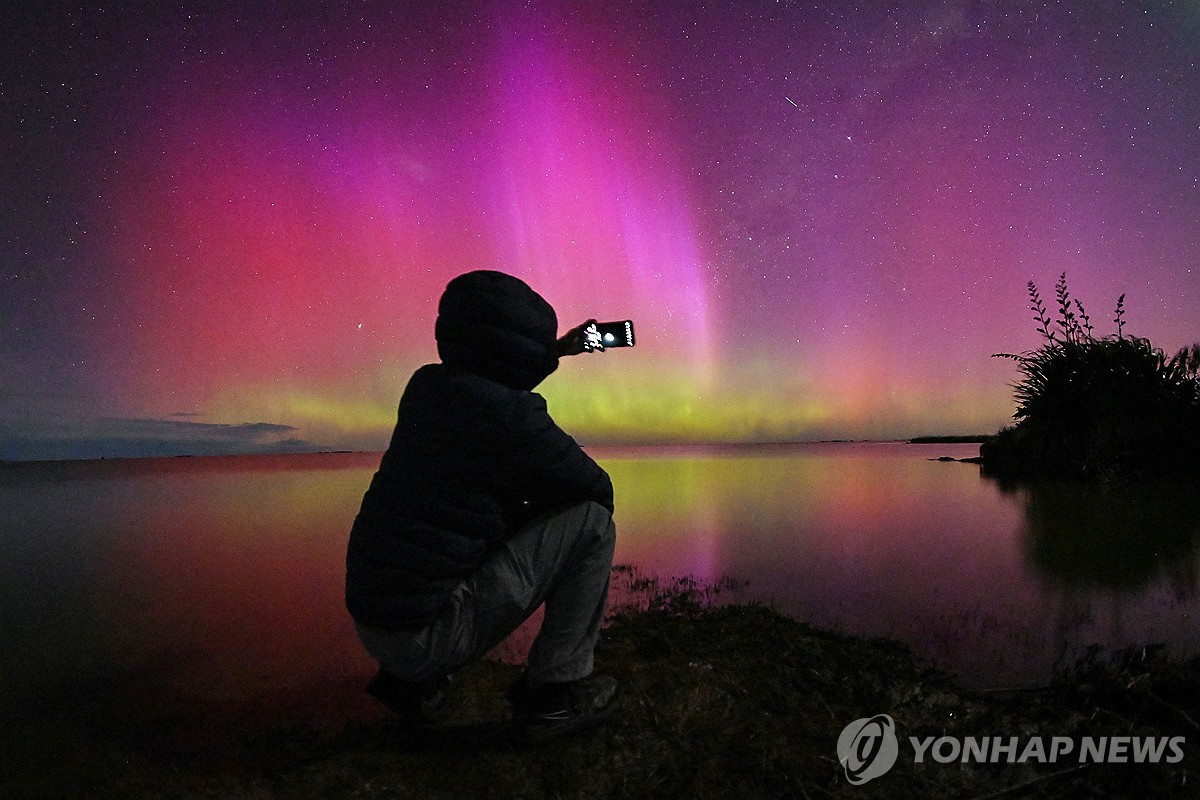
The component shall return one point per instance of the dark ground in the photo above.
(719, 702)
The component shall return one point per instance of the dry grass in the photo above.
(727, 701)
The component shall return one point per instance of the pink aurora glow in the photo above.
(821, 220)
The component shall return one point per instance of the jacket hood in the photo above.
(494, 325)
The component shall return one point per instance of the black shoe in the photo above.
(556, 709)
(416, 701)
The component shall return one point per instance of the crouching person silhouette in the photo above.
(482, 510)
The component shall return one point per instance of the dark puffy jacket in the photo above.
(474, 455)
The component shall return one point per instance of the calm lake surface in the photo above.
(143, 590)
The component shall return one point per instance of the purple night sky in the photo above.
(225, 229)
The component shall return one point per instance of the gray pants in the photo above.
(562, 559)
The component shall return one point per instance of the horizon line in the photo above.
(923, 439)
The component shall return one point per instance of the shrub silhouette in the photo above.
(1111, 408)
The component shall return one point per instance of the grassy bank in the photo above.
(1098, 408)
(733, 701)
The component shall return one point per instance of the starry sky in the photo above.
(224, 227)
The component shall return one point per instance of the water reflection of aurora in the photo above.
(233, 567)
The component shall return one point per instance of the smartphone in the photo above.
(602, 335)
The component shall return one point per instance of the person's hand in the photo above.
(572, 342)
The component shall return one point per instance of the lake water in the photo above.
(143, 590)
